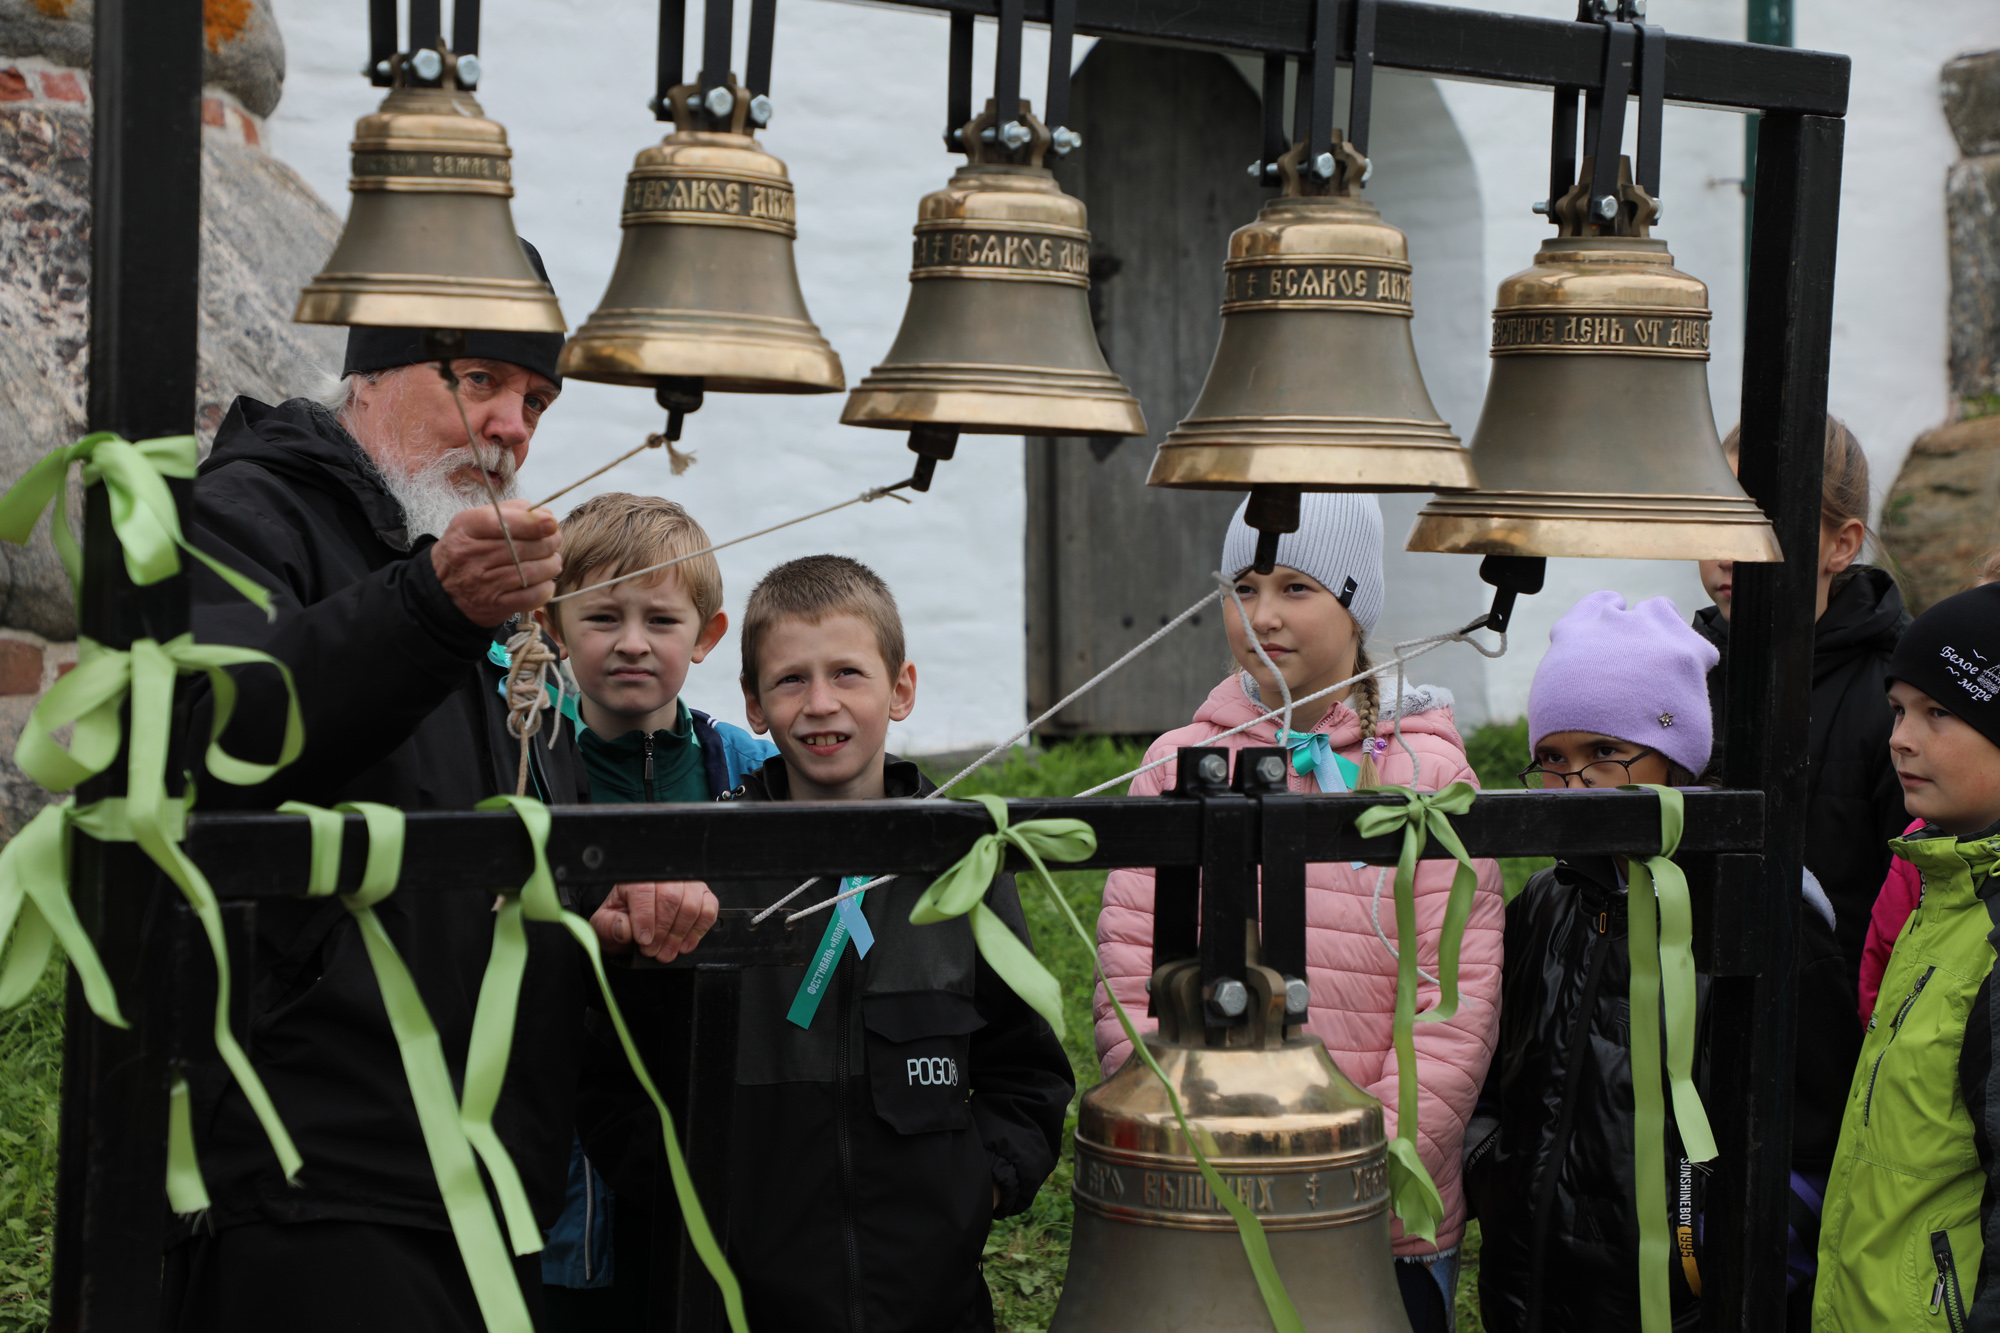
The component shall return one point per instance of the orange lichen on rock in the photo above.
(222, 20)
(55, 9)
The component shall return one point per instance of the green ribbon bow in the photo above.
(34, 866)
(961, 890)
(142, 508)
(1662, 952)
(1423, 816)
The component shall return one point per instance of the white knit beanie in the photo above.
(1339, 542)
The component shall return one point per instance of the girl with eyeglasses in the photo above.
(1619, 698)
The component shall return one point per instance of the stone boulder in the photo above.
(245, 56)
(1943, 516)
(1971, 87)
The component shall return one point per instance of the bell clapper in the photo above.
(932, 445)
(1273, 511)
(1511, 576)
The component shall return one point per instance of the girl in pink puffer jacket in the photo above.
(1309, 615)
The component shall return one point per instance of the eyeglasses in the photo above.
(1599, 773)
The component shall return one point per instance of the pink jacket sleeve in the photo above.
(1452, 1054)
(1125, 940)
(1893, 906)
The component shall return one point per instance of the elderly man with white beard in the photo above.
(367, 519)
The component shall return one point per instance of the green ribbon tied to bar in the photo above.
(34, 866)
(142, 507)
(1422, 816)
(1660, 927)
(961, 891)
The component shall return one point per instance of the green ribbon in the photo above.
(34, 867)
(142, 507)
(1423, 816)
(961, 891)
(439, 1115)
(539, 903)
(185, 1191)
(1662, 953)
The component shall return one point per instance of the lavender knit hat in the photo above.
(1639, 674)
(1339, 543)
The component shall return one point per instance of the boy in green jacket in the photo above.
(1910, 1214)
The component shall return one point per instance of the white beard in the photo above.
(431, 498)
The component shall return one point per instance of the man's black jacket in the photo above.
(1553, 1184)
(1854, 804)
(865, 1150)
(401, 706)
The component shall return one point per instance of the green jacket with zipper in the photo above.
(1910, 1202)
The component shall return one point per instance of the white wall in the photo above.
(859, 91)
(860, 102)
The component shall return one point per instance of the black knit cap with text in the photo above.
(372, 349)
(1952, 653)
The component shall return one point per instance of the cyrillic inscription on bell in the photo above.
(1290, 1136)
(997, 338)
(1597, 438)
(429, 240)
(1315, 382)
(705, 286)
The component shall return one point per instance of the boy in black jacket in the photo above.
(895, 1096)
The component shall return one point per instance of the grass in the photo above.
(1026, 1256)
(30, 1086)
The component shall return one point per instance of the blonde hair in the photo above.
(1843, 491)
(812, 588)
(1366, 701)
(618, 532)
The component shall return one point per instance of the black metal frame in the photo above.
(1743, 846)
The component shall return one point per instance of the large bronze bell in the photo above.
(705, 287)
(997, 338)
(1297, 1141)
(430, 241)
(1597, 438)
(1315, 381)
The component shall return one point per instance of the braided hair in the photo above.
(1367, 703)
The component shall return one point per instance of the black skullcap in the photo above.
(371, 349)
(1952, 653)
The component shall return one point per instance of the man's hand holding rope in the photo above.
(476, 565)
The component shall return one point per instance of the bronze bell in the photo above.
(997, 338)
(1286, 1130)
(430, 241)
(705, 287)
(1315, 381)
(1597, 438)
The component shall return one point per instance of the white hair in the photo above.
(430, 495)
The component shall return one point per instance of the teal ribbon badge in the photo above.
(848, 919)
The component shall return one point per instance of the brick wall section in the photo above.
(39, 82)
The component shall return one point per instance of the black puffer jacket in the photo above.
(865, 1149)
(1854, 804)
(1552, 1180)
(401, 706)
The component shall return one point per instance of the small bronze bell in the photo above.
(429, 240)
(1315, 381)
(705, 286)
(1597, 438)
(997, 338)
(1297, 1142)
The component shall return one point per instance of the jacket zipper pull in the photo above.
(646, 749)
(1937, 1294)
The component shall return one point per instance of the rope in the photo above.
(1415, 648)
(652, 442)
(1076, 693)
(479, 466)
(527, 693)
(998, 750)
(866, 497)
